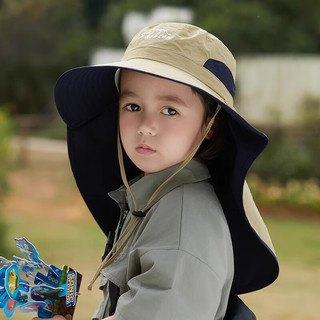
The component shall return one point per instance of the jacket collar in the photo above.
(144, 185)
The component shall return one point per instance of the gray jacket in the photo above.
(179, 262)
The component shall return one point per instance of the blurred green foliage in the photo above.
(244, 25)
(285, 159)
(41, 39)
(296, 194)
(5, 130)
(293, 153)
(287, 172)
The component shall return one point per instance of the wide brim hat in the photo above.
(87, 100)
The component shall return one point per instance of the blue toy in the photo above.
(53, 291)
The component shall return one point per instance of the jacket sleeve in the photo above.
(172, 285)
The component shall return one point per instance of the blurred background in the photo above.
(277, 47)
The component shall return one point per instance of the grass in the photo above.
(295, 294)
(45, 207)
(297, 241)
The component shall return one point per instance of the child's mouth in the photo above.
(145, 149)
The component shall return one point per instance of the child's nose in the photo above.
(147, 125)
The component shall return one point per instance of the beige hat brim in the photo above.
(168, 72)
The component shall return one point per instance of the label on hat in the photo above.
(157, 34)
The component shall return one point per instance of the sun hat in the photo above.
(87, 100)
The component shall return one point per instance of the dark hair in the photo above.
(210, 149)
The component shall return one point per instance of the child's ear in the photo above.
(209, 135)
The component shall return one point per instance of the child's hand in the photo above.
(57, 317)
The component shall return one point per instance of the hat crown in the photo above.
(190, 49)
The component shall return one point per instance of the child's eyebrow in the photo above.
(172, 98)
(127, 94)
(163, 97)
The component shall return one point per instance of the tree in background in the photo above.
(93, 12)
(39, 40)
(246, 26)
(270, 26)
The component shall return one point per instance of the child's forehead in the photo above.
(126, 77)
(134, 84)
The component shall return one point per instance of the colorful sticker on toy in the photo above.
(34, 286)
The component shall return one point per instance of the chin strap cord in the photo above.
(138, 215)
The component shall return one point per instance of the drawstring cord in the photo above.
(137, 215)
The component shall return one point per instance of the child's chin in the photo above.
(149, 169)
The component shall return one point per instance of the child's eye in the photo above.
(169, 111)
(132, 107)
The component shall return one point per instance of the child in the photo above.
(184, 235)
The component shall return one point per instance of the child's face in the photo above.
(161, 121)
